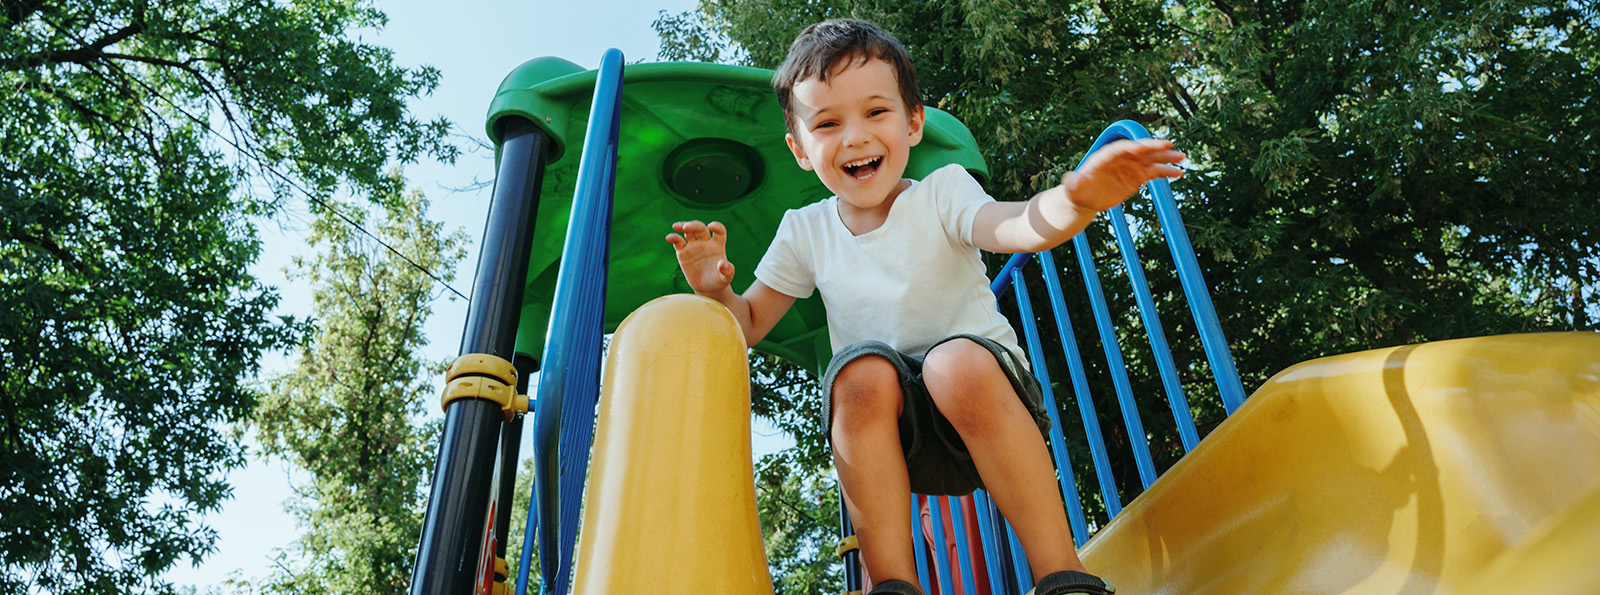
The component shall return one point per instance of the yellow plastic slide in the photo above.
(671, 506)
(1468, 466)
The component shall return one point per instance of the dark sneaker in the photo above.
(1068, 582)
(895, 587)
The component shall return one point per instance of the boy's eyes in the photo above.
(872, 113)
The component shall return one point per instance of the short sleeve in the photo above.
(957, 196)
(782, 267)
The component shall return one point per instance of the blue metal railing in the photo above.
(569, 384)
(1206, 323)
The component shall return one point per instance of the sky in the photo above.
(474, 45)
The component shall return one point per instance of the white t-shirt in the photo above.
(913, 281)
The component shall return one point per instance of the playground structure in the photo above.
(1469, 466)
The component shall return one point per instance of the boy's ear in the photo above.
(918, 117)
(799, 152)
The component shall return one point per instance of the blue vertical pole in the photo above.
(990, 541)
(572, 352)
(958, 521)
(941, 548)
(918, 545)
(1194, 283)
(1069, 487)
(1113, 350)
(1080, 386)
(1152, 328)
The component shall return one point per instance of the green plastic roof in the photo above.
(698, 141)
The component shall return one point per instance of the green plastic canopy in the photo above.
(698, 142)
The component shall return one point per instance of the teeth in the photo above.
(861, 162)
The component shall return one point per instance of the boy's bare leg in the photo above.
(872, 470)
(970, 389)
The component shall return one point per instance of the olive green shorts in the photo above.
(936, 458)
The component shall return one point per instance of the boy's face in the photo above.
(855, 131)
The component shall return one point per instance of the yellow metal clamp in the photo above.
(502, 570)
(491, 378)
(848, 544)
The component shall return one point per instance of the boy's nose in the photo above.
(856, 135)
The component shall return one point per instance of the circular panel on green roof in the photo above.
(713, 172)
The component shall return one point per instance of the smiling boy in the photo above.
(928, 390)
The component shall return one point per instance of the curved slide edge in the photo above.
(670, 504)
(1444, 467)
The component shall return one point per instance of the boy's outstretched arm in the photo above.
(1108, 177)
(703, 256)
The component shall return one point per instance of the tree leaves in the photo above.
(139, 138)
(350, 413)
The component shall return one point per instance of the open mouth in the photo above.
(862, 169)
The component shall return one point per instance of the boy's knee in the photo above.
(966, 382)
(959, 366)
(867, 386)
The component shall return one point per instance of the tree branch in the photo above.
(20, 10)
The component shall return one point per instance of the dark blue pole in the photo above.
(453, 526)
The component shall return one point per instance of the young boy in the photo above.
(927, 390)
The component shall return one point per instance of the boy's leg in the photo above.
(867, 401)
(975, 395)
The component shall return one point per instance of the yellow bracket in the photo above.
(497, 383)
(485, 364)
(848, 544)
(502, 570)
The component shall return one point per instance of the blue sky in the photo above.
(474, 45)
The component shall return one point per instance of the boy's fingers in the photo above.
(718, 229)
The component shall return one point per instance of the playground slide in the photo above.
(671, 486)
(1467, 466)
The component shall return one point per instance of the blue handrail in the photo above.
(571, 363)
(1195, 291)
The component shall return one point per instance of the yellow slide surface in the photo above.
(1468, 466)
(670, 502)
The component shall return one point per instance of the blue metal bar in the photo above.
(1019, 561)
(990, 541)
(1189, 275)
(1119, 371)
(572, 353)
(1064, 475)
(958, 521)
(1002, 280)
(941, 551)
(1080, 386)
(918, 545)
(1153, 329)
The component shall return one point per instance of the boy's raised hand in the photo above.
(703, 255)
(1118, 170)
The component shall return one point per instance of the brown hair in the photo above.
(823, 47)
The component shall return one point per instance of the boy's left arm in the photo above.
(1108, 177)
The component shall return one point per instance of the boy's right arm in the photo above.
(702, 254)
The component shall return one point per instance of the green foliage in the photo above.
(349, 412)
(799, 509)
(1365, 174)
(138, 136)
